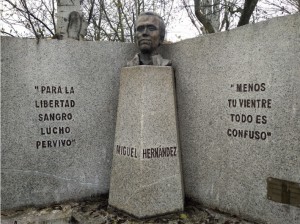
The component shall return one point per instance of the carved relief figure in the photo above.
(149, 35)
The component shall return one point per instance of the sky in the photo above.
(181, 28)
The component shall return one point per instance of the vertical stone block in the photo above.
(70, 20)
(146, 171)
(50, 152)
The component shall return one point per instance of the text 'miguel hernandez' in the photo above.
(148, 153)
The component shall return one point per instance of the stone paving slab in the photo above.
(96, 211)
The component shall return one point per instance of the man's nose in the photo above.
(145, 31)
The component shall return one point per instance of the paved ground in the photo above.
(96, 212)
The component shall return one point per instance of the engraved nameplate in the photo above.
(283, 191)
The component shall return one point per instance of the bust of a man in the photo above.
(149, 35)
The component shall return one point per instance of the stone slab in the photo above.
(76, 163)
(221, 169)
(146, 171)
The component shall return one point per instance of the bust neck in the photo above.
(146, 58)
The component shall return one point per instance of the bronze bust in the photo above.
(149, 35)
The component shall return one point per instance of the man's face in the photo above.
(147, 33)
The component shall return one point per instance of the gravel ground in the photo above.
(96, 211)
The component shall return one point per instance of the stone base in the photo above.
(146, 171)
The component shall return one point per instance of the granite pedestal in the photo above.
(146, 171)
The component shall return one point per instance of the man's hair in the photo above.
(162, 26)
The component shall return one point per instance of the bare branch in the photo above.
(30, 15)
(24, 3)
(2, 31)
(191, 15)
(91, 11)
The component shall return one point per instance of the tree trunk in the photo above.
(202, 18)
(249, 7)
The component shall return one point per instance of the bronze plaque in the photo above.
(283, 191)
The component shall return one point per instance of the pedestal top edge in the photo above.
(148, 67)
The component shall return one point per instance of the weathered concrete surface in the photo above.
(228, 172)
(31, 173)
(146, 171)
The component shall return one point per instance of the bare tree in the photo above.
(114, 20)
(214, 14)
(218, 15)
(25, 18)
(111, 20)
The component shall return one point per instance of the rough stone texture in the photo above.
(146, 119)
(231, 173)
(32, 176)
(70, 20)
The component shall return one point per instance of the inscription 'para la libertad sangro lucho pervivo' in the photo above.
(248, 117)
(55, 110)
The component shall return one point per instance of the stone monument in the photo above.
(146, 170)
(238, 113)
